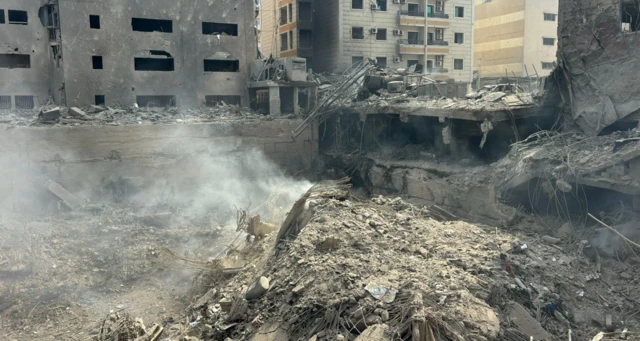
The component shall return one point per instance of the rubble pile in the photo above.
(382, 269)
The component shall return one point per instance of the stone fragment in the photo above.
(551, 240)
(76, 112)
(563, 186)
(67, 198)
(259, 288)
(49, 115)
(378, 332)
(526, 323)
(225, 304)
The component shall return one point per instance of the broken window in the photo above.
(213, 28)
(630, 17)
(2, 16)
(357, 33)
(156, 101)
(290, 12)
(215, 65)
(547, 65)
(382, 5)
(157, 63)
(24, 102)
(305, 40)
(15, 61)
(459, 12)
(357, 4)
(152, 25)
(381, 61)
(284, 42)
(458, 64)
(18, 17)
(459, 38)
(549, 17)
(97, 62)
(548, 41)
(382, 34)
(356, 60)
(99, 100)
(5, 102)
(283, 16)
(304, 11)
(94, 22)
(214, 100)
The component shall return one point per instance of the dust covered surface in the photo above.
(344, 268)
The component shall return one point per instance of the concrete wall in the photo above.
(535, 53)
(160, 158)
(328, 35)
(268, 28)
(31, 39)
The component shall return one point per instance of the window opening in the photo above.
(381, 34)
(97, 62)
(357, 33)
(305, 40)
(214, 28)
(94, 22)
(216, 65)
(99, 100)
(15, 61)
(18, 17)
(305, 11)
(151, 25)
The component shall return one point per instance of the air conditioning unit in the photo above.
(398, 32)
(438, 63)
(374, 30)
(374, 7)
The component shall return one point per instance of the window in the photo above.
(305, 39)
(94, 22)
(18, 17)
(24, 102)
(284, 42)
(381, 61)
(290, 12)
(152, 25)
(413, 38)
(439, 33)
(97, 62)
(459, 12)
(357, 4)
(155, 64)
(411, 63)
(458, 64)
(548, 41)
(214, 65)
(5, 102)
(156, 101)
(357, 33)
(459, 38)
(413, 8)
(439, 60)
(356, 60)
(382, 34)
(629, 17)
(429, 10)
(304, 11)
(15, 61)
(547, 66)
(2, 21)
(549, 17)
(290, 40)
(214, 28)
(283, 16)
(382, 5)
(215, 100)
(99, 100)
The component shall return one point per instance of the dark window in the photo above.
(357, 33)
(5, 102)
(18, 17)
(381, 61)
(413, 38)
(356, 4)
(214, 65)
(413, 8)
(547, 66)
(283, 16)
(284, 42)
(99, 100)
(218, 28)
(630, 17)
(24, 102)
(382, 34)
(459, 12)
(290, 40)
(304, 11)
(215, 100)
(548, 41)
(151, 25)
(459, 38)
(458, 64)
(305, 40)
(290, 12)
(2, 16)
(382, 5)
(154, 64)
(549, 17)
(356, 60)
(15, 61)
(97, 62)
(94, 22)
(156, 101)
(410, 63)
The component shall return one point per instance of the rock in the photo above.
(49, 115)
(258, 228)
(329, 243)
(563, 186)
(378, 332)
(551, 240)
(259, 288)
(271, 332)
(526, 323)
(76, 112)
(225, 304)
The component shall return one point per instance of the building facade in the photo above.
(186, 53)
(515, 37)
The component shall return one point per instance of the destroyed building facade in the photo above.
(153, 53)
(515, 38)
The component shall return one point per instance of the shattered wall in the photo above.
(599, 61)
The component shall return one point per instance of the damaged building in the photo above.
(153, 53)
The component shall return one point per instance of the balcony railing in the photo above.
(412, 13)
(411, 42)
(440, 15)
(438, 42)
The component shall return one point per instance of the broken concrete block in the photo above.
(526, 323)
(259, 288)
(378, 332)
(49, 115)
(67, 198)
(76, 112)
(563, 186)
(395, 86)
(551, 240)
(225, 304)
(258, 228)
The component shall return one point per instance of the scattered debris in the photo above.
(67, 198)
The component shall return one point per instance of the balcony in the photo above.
(437, 43)
(440, 15)
(411, 46)
(412, 18)
(438, 19)
(412, 14)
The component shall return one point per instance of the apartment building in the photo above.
(287, 29)
(515, 37)
(187, 53)
(436, 35)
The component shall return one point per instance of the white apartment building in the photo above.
(437, 34)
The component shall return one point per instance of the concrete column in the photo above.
(274, 100)
(424, 58)
(296, 107)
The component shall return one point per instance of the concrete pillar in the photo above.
(296, 107)
(425, 57)
(274, 100)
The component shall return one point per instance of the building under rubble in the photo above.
(151, 52)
